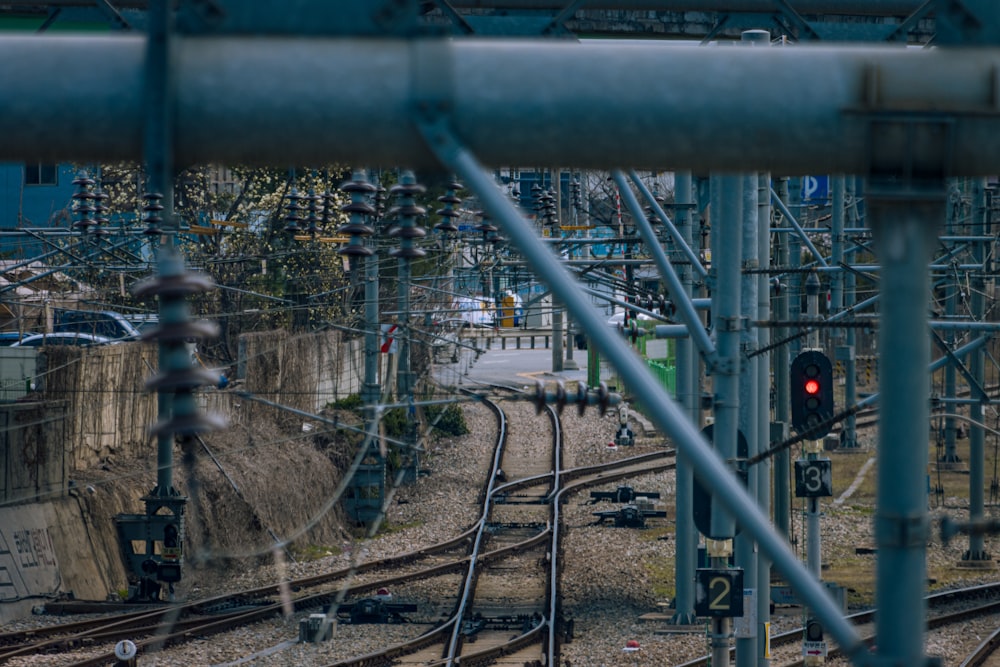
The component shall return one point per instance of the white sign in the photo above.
(389, 343)
(814, 649)
(745, 626)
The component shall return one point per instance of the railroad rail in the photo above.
(177, 623)
(959, 597)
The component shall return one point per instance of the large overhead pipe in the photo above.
(863, 7)
(278, 100)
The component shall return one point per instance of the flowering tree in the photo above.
(232, 225)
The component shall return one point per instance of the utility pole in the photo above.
(976, 555)
(727, 211)
(782, 410)
(407, 231)
(686, 543)
(360, 252)
(746, 552)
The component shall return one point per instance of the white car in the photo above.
(618, 319)
(474, 311)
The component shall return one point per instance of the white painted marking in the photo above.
(849, 491)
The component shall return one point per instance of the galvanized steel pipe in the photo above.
(282, 100)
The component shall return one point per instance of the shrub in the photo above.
(395, 422)
(452, 421)
(351, 402)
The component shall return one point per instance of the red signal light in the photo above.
(812, 387)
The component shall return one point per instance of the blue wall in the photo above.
(32, 206)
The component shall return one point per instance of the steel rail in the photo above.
(868, 616)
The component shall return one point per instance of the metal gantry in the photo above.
(905, 119)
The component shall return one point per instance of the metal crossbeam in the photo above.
(576, 104)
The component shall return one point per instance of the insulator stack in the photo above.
(83, 203)
(293, 208)
(548, 204)
(315, 209)
(487, 228)
(449, 213)
(152, 213)
(359, 212)
(380, 199)
(582, 397)
(329, 204)
(177, 375)
(536, 200)
(576, 195)
(407, 211)
(101, 212)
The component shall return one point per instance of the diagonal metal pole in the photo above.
(664, 412)
(685, 307)
(798, 228)
(678, 238)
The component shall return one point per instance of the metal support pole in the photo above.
(686, 538)
(905, 222)
(782, 409)
(745, 549)
(685, 307)
(977, 555)
(407, 231)
(950, 459)
(557, 337)
(763, 394)
(684, 245)
(814, 547)
(569, 363)
(719, 643)
(370, 389)
(726, 259)
(849, 436)
(837, 241)
(798, 229)
(794, 280)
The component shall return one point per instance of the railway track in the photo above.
(947, 608)
(524, 477)
(509, 596)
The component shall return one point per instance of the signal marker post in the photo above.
(812, 404)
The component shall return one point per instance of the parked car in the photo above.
(77, 338)
(618, 319)
(8, 338)
(144, 321)
(106, 323)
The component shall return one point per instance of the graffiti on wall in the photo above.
(28, 565)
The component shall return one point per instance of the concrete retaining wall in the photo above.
(58, 538)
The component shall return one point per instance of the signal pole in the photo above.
(812, 446)
(812, 404)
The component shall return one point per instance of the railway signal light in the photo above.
(170, 536)
(811, 392)
(814, 631)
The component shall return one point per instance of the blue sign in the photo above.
(815, 187)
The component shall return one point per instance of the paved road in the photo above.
(510, 366)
